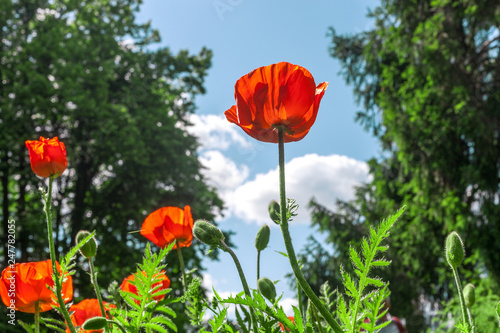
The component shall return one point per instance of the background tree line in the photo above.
(84, 71)
(427, 76)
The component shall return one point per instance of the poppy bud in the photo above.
(262, 238)
(274, 209)
(89, 249)
(96, 323)
(207, 233)
(455, 251)
(266, 288)
(469, 295)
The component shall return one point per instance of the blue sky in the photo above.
(326, 164)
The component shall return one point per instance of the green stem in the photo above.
(117, 324)
(316, 319)
(93, 280)
(183, 269)
(258, 265)
(48, 213)
(37, 317)
(243, 281)
(469, 314)
(461, 296)
(289, 247)
(299, 298)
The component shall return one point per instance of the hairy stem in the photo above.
(183, 269)
(243, 280)
(37, 317)
(57, 281)
(465, 317)
(258, 265)
(93, 280)
(288, 243)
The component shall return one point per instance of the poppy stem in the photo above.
(258, 265)
(47, 198)
(93, 280)
(243, 281)
(299, 298)
(37, 317)
(183, 268)
(465, 316)
(288, 241)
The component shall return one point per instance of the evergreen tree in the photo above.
(428, 78)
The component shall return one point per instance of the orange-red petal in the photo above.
(26, 283)
(86, 309)
(47, 157)
(169, 224)
(279, 95)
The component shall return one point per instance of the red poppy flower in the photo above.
(25, 284)
(127, 286)
(48, 157)
(86, 309)
(292, 319)
(167, 224)
(279, 95)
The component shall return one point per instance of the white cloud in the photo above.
(222, 172)
(287, 304)
(327, 178)
(215, 132)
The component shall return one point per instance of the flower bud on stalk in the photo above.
(95, 323)
(469, 295)
(89, 249)
(207, 233)
(455, 250)
(262, 238)
(266, 288)
(274, 209)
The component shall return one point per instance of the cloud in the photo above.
(222, 173)
(327, 178)
(215, 132)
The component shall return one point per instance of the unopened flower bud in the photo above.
(96, 323)
(469, 295)
(262, 238)
(88, 249)
(274, 210)
(207, 233)
(266, 288)
(455, 251)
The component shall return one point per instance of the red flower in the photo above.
(48, 157)
(279, 95)
(167, 224)
(86, 309)
(127, 286)
(292, 319)
(25, 284)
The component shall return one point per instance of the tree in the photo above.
(428, 78)
(84, 71)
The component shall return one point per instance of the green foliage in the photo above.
(86, 72)
(142, 306)
(352, 313)
(426, 77)
(268, 316)
(483, 311)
